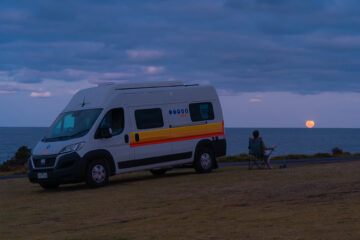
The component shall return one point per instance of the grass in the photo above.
(302, 202)
(13, 170)
(243, 157)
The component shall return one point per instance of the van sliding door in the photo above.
(149, 138)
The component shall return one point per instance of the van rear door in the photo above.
(181, 132)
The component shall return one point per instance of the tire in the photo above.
(158, 172)
(97, 174)
(48, 186)
(204, 160)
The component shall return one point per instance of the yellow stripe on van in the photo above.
(176, 134)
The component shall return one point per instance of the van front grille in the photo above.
(44, 162)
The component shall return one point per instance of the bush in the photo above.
(18, 163)
(344, 154)
(245, 157)
(235, 158)
(322, 155)
(4, 168)
(337, 151)
(22, 154)
(290, 156)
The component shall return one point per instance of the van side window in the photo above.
(201, 111)
(149, 118)
(114, 119)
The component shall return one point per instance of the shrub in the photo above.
(337, 151)
(18, 162)
(235, 158)
(322, 155)
(4, 168)
(290, 156)
(23, 154)
(344, 154)
(245, 157)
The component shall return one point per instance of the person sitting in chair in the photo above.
(258, 149)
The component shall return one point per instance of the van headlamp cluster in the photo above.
(72, 147)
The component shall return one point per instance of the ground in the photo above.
(317, 201)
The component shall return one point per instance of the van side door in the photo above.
(149, 138)
(118, 143)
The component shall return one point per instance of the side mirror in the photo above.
(106, 132)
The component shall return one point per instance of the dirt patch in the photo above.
(303, 202)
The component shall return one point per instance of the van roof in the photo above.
(97, 96)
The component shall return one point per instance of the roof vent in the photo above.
(149, 85)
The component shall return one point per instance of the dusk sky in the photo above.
(274, 63)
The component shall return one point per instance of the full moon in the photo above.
(310, 124)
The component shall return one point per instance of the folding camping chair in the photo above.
(256, 154)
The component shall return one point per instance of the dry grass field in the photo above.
(303, 202)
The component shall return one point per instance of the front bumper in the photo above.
(68, 168)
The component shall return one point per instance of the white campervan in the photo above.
(113, 129)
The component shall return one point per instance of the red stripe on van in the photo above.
(179, 139)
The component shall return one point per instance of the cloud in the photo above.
(72, 91)
(91, 76)
(13, 15)
(151, 70)
(145, 55)
(14, 87)
(255, 100)
(47, 88)
(7, 92)
(250, 45)
(283, 109)
(40, 94)
(279, 5)
(340, 43)
(28, 76)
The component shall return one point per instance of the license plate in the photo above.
(42, 175)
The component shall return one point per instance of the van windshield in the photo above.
(70, 125)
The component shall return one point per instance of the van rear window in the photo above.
(201, 111)
(149, 118)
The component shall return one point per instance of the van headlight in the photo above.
(73, 147)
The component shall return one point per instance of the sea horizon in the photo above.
(287, 140)
(225, 127)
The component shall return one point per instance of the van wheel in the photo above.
(204, 160)
(158, 172)
(97, 174)
(47, 186)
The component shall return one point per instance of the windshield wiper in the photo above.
(78, 134)
(55, 138)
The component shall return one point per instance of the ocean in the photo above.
(287, 140)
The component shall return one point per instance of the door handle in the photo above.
(137, 138)
(126, 137)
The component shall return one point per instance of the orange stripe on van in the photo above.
(177, 134)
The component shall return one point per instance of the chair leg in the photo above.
(257, 164)
(250, 167)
